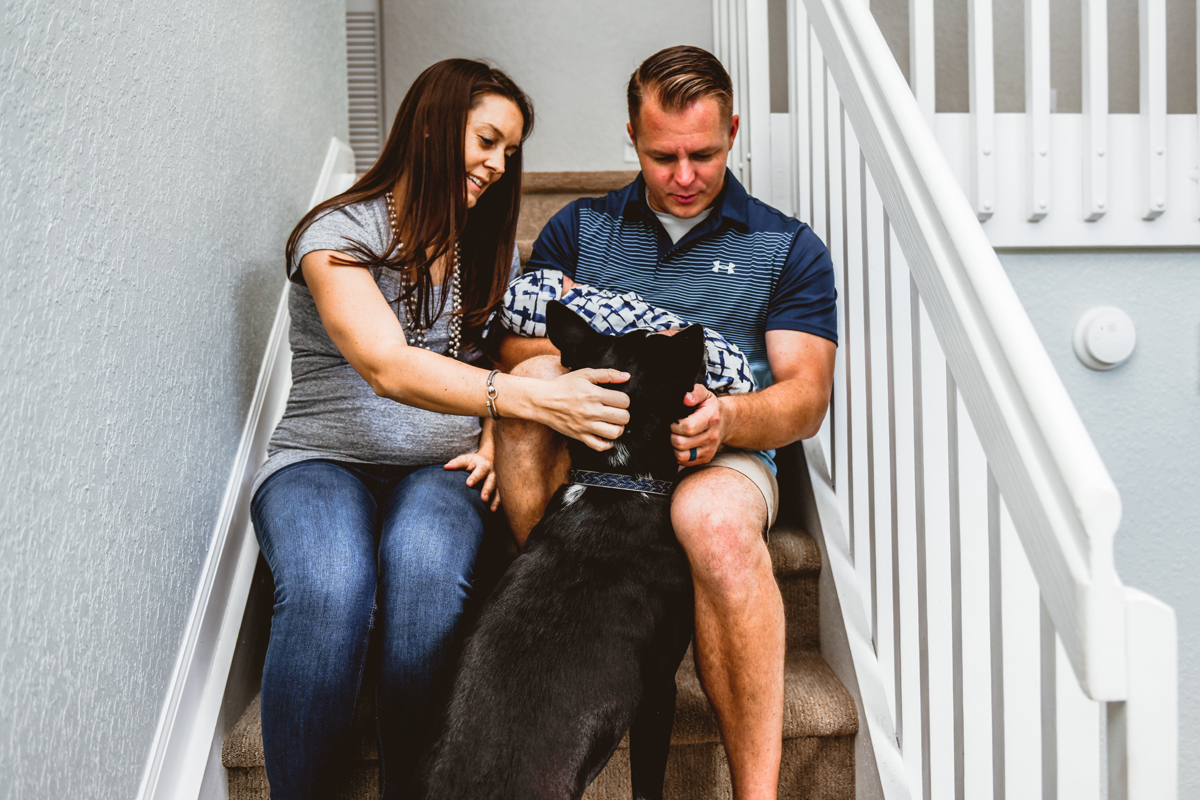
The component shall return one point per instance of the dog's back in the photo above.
(581, 639)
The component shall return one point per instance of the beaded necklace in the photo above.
(416, 332)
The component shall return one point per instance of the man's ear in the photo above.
(567, 331)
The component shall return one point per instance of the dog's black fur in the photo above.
(581, 639)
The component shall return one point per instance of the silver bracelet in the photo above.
(491, 395)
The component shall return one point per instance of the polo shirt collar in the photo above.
(732, 204)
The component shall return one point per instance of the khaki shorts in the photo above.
(754, 468)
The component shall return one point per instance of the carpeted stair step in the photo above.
(819, 716)
(544, 193)
(819, 723)
(796, 559)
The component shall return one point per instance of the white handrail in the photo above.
(1060, 494)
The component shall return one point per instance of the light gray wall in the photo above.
(153, 159)
(572, 58)
(1008, 19)
(1144, 417)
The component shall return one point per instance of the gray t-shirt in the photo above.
(332, 413)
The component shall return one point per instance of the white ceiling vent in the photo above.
(365, 81)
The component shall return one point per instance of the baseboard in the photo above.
(183, 739)
(846, 638)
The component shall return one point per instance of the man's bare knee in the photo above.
(546, 367)
(720, 523)
(512, 432)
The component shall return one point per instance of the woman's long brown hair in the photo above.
(426, 148)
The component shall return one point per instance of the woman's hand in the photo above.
(480, 465)
(575, 406)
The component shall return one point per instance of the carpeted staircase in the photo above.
(819, 721)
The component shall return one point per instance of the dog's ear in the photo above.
(691, 353)
(567, 331)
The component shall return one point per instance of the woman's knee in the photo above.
(335, 596)
(431, 533)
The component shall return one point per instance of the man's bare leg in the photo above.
(740, 635)
(531, 460)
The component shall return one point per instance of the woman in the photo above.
(362, 510)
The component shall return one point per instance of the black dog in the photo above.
(581, 638)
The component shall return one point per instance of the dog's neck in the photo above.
(643, 450)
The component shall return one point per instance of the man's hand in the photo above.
(697, 436)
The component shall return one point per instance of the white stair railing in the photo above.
(979, 517)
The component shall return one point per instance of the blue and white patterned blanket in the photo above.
(524, 313)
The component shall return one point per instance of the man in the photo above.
(687, 237)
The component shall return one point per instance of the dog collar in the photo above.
(610, 480)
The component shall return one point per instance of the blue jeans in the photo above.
(351, 547)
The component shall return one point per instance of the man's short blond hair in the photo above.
(676, 78)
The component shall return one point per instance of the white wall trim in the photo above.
(186, 724)
(1123, 224)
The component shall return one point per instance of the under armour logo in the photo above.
(718, 267)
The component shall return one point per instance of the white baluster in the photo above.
(942, 577)
(1150, 715)
(1037, 107)
(798, 99)
(921, 52)
(1077, 722)
(1095, 109)
(758, 107)
(721, 31)
(977, 636)
(1023, 728)
(879, 422)
(742, 87)
(909, 543)
(849, 271)
(982, 88)
(1152, 46)
(818, 131)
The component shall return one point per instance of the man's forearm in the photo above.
(778, 415)
(515, 349)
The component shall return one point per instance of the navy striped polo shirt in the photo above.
(745, 270)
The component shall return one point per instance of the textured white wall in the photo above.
(1144, 417)
(153, 159)
(572, 58)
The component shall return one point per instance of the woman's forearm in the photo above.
(575, 404)
(416, 377)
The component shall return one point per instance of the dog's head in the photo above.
(662, 370)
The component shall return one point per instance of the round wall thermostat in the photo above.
(1104, 338)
